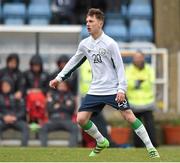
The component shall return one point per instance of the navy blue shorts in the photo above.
(95, 103)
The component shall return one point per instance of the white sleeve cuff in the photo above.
(58, 78)
(122, 91)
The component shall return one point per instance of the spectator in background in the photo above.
(12, 70)
(61, 107)
(63, 11)
(36, 83)
(73, 80)
(141, 78)
(12, 110)
(36, 79)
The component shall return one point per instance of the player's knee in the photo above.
(128, 115)
(81, 120)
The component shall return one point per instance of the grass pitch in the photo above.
(57, 154)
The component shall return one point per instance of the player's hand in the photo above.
(120, 97)
(54, 83)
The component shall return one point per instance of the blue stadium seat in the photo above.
(140, 30)
(141, 1)
(40, 1)
(110, 15)
(118, 32)
(38, 21)
(140, 11)
(14, 21)
(114, 21)
(14, 10)
(39, 11)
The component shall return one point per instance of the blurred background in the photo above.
(37, 38)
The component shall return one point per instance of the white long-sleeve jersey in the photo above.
(108, 76)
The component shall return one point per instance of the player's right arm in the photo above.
(70, 67)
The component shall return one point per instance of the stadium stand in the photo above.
(117, 31)
(41, 12)
(140, 10)
(125, 20)
(42, 2)
(140, 30)
(131, 22)
(14, 13)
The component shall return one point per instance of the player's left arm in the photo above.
(70, 67)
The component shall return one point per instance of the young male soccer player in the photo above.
(108, 85)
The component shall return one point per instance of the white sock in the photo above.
(142, 133)
(94, 132)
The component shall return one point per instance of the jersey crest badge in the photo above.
(102, 51)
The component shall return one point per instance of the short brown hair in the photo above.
(97, 13)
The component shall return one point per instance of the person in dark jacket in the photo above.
(36, 79)
(12, 110)
(61, 108)
(12, 70)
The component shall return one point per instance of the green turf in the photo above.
(81, 154)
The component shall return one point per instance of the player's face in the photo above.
(93, 24)
(36, 68)
(12, 64)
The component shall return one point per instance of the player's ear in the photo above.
(101, 23)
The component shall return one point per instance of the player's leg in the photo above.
(136, 139)
(90, 128)
(100, 121)
(140, 131)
